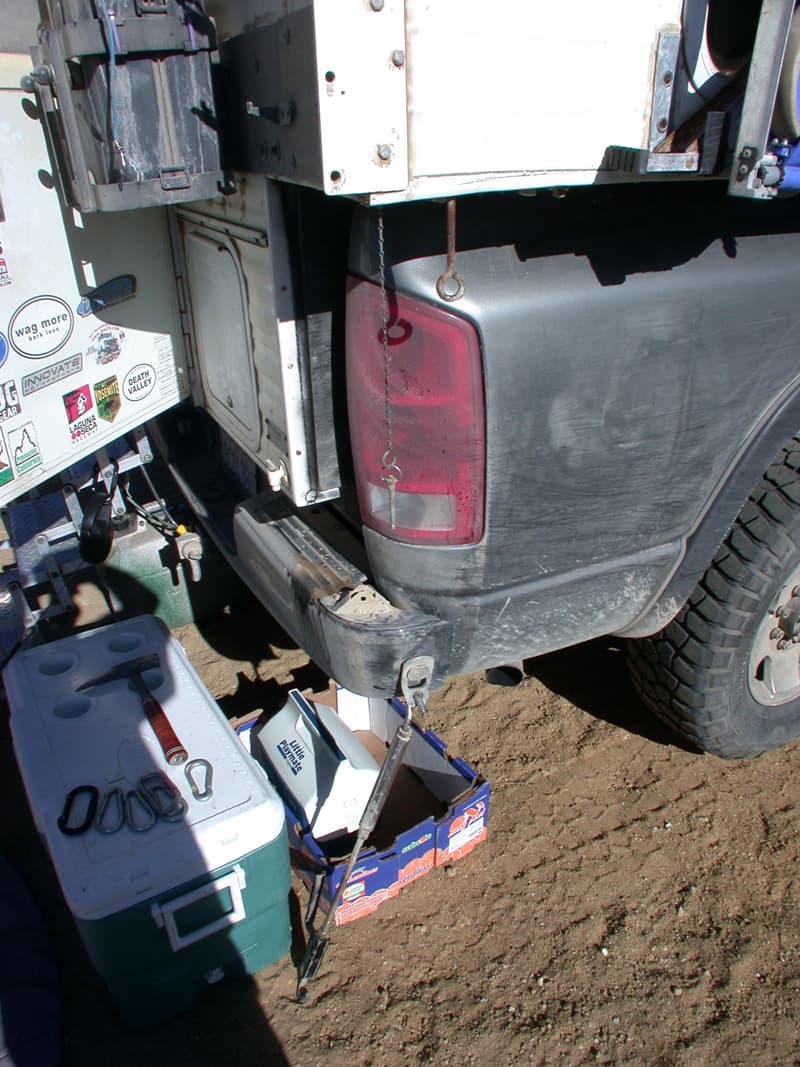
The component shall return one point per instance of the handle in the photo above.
(173, 750)
(164, 914)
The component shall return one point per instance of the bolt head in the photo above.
(776, 634)
(398, 57)
(385, 152)
(376, 5)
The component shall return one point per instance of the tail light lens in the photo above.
(435, 418)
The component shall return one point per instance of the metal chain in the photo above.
(390, 471)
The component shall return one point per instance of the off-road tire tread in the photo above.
(683, 672)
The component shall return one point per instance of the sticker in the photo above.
(139, 382)
(107, 398)
(105, 344)
(78, 406)
(5, 276)
(415, 844)
(41, 326)
(353, 892)
(472, 816)
(3, 349)
(24, 448)
(55, 372)
(9, 401)
(6, 473)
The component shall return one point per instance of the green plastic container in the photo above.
(186, 902)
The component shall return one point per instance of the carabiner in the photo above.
(162, 796)
(206, 792)
(91, 810)
(134, 800)
(111, 813)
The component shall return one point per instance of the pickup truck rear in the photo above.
(474, 427)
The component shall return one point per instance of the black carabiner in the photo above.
(91, 810)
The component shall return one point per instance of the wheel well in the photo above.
(777, 428)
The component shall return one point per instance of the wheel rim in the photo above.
(774, 669)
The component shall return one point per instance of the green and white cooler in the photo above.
(161, 911)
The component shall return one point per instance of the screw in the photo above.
(661, 125)
(311, 496)
(746, 153)
(782, 645)
(398, 57)
(384, 150)
(376, 5)
(743, 171)
(784, 613)
(776, 634)
(667, 77)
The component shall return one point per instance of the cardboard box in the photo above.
(436, 812)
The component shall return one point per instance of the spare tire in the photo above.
(725, 673)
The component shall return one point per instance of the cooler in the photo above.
(165, 910)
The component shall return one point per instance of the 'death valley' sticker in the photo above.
(41, 326)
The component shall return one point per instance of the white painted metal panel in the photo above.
(73, 379)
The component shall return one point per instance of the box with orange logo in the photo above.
(436, 813)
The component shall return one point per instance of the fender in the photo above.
(775, 431)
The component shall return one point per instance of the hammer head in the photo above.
(127, 669)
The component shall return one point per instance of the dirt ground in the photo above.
(635, 903)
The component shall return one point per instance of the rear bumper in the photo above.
(322, 600)
(350, 630)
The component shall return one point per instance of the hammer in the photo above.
(173, 750)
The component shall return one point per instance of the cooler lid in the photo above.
(65, 738)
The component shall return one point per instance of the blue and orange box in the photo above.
(436, 813)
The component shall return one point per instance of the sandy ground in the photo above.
(635, 903)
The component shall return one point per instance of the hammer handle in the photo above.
(173, 750)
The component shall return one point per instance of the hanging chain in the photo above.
(390, 471)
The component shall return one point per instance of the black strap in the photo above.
(96, 535)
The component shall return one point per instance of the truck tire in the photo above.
(725, 673)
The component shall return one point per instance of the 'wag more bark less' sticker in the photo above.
(41, 326)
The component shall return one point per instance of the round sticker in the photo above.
(3, 349)
(139, 382)
(41, 326)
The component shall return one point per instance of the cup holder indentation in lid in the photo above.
(127, 641)
(72, 706)
(58, 663)
(153, 678)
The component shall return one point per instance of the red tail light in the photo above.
(432, 438)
